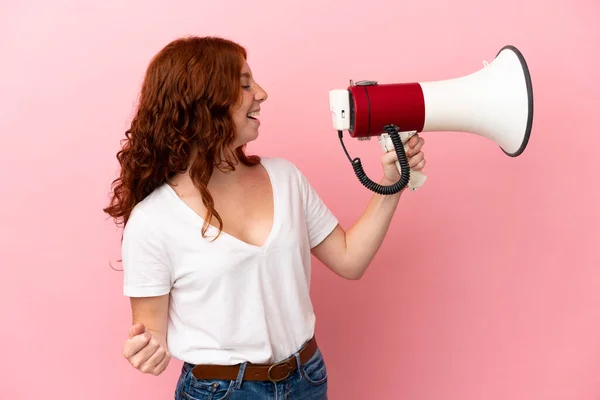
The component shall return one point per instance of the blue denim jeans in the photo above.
(309, 382)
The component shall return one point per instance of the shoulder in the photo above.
(282, 167)
(279, 162)
(286, 171)
(145, 218)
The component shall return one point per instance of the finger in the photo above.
(419, 145)
(162, 365)
(419, 166)
(413, 140)
(150, 364)
(144, 354)
(136, 344)
(136, 329)
(389, 158)
(411, 151)
(415, 160)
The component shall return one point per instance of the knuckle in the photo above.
(127, 348)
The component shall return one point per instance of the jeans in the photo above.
(308, 382)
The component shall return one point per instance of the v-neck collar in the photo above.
(212, 230)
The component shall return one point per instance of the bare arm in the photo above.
(349, 253)
(153, 313)
(146, 346)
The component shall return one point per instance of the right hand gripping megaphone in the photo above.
(495, 102)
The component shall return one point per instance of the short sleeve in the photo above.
(145, 265)
(319, 218)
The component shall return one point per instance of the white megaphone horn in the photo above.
(495, 102)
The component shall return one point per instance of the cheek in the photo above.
(248, 99)
(241, 113)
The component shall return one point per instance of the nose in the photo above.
(260, 94)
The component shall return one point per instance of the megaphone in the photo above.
(495, 102)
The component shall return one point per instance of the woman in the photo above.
(217, 244)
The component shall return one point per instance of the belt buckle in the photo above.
(289, 371)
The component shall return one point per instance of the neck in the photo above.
(183, 181)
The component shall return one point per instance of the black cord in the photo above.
(402, 159)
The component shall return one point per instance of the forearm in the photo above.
(349, 253)
(365, 237)
(152, 312)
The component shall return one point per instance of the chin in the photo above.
(251, 136)
(246, 139)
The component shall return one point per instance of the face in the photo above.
(245, 116)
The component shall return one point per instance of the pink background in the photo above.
(488, 283)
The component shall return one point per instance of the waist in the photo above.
(273, 372)
(258, 340)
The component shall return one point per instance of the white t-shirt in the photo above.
(230, 301)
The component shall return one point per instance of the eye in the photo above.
(246, 86)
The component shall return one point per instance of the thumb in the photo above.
(136, 329)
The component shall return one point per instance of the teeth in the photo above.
(254, 114)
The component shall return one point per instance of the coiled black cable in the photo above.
(402, 159)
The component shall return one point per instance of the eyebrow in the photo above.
(246, 75)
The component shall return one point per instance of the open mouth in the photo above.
(253, 114)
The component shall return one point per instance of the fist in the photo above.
(416, 158)
(144, 352)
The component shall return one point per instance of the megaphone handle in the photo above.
(417, 178)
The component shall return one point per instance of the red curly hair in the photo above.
(186, 99)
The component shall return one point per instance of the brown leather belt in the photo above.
(257, 372)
